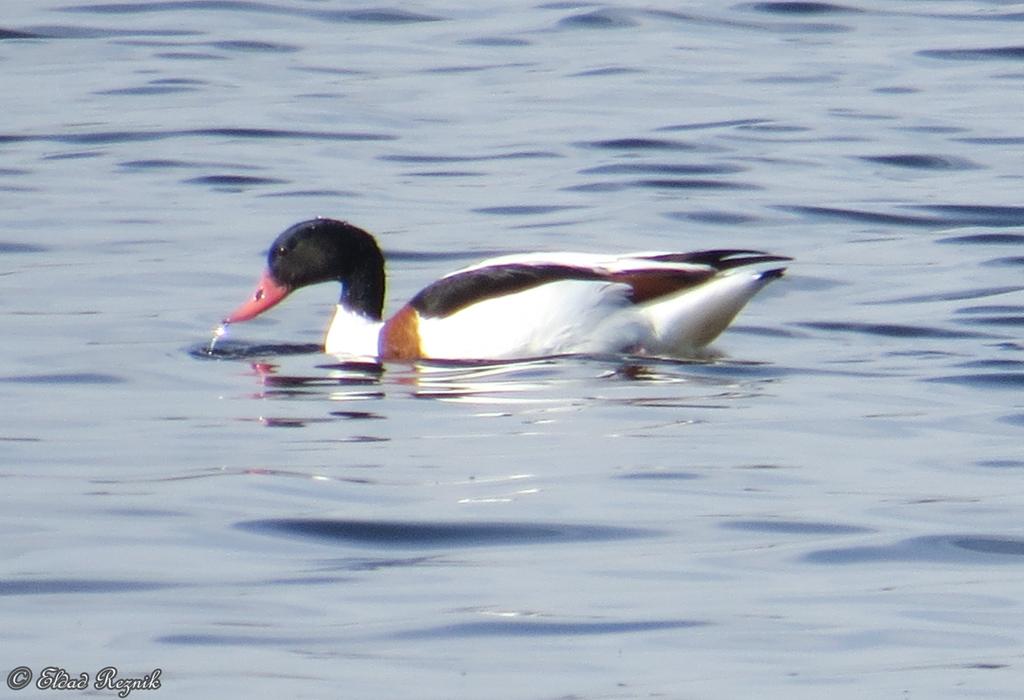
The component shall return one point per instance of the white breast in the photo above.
(352, 335)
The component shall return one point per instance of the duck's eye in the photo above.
(282, 250)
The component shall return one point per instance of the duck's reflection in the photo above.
(360, 381)
(534, 389)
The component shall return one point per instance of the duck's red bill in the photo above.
(268, 293)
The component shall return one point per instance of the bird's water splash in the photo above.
(218, 333)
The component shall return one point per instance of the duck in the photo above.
(519, 306)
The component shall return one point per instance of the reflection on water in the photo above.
(228, 349)
(961, 549)
(506, 385)
(434, 534)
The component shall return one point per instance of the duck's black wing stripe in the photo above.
(724, 259)
(455, 292)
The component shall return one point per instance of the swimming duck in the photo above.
(515, 306)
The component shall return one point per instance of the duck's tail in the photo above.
(694, 317)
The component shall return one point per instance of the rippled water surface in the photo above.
(828, 504)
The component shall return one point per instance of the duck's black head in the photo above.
(321, 250)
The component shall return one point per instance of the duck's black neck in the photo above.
(362, 289)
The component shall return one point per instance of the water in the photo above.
(829, 506)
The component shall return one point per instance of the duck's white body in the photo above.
(515, 306)
(568, 316)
